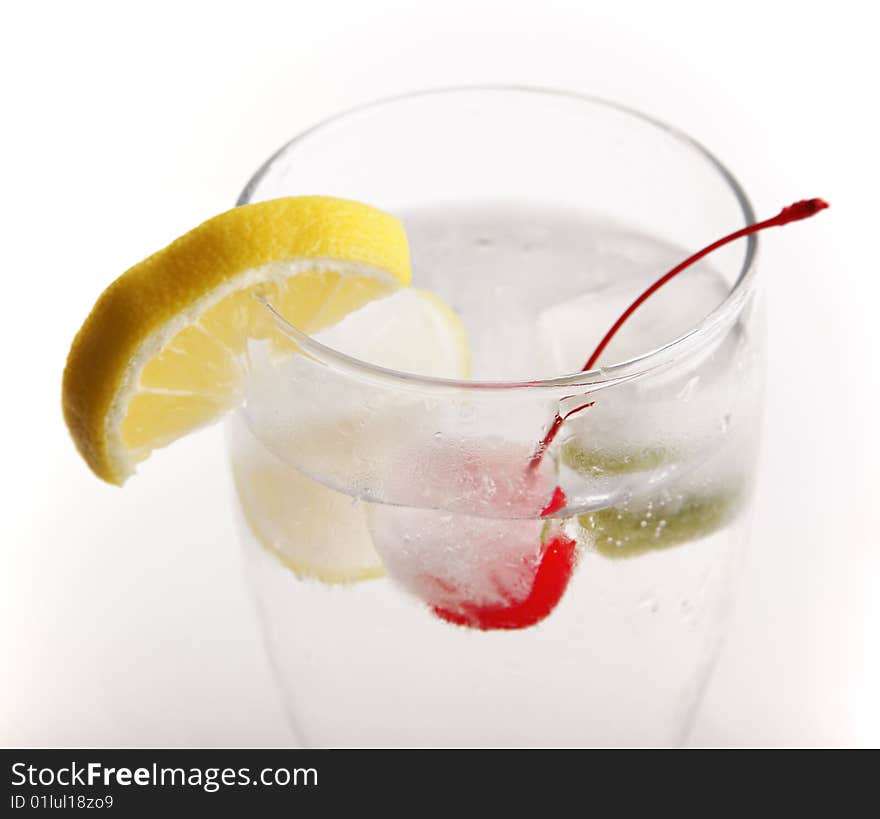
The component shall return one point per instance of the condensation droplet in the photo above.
(650, 602)
(687, 392)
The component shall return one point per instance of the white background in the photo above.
(123, 615)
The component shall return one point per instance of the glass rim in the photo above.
(631, 368)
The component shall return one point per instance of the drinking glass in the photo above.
(537, 216)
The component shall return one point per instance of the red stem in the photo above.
(793, 213)
(551, 434)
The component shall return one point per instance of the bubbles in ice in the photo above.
(472, 530)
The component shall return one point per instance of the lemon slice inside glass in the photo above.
(313, 530)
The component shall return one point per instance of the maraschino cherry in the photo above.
(559, 553)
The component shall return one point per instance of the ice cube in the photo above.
(569, 331)
(473, 532)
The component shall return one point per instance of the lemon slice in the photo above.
(412, 331)
(313, 530)
(161, 353)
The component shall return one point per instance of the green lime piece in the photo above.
(595, 462)
(632, 530)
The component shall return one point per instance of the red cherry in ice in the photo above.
(552, 574)
(558, 555)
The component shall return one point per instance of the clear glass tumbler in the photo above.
(386, 512)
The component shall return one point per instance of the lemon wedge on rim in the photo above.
(162, 352)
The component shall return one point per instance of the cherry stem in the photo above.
(545, 442)
(793, 213)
